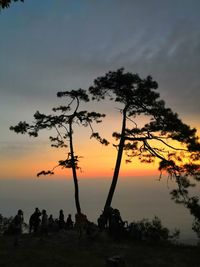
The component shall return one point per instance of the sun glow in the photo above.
(95, 160)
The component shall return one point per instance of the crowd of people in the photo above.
(111, 219)
(40, 223)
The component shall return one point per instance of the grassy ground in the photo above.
(65, 249)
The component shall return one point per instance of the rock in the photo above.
(115, 261)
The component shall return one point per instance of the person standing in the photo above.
(69, 222)
(44, 223)
(17, 226)
(51, 223)
(61, 220)
(34, 221)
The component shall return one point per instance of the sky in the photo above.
(49, 46)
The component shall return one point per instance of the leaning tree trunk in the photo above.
(73, 163)
(118, 163)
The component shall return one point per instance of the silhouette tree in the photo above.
(163, 136)
(6, 3)
(68, 116)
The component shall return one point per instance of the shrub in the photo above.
(151, 231)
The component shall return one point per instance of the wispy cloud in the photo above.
(65, 45)
(19, 149)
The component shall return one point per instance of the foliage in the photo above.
(196, 227)
(138, 97)
(162, 136)
(151, 231)
(62, 121)
(61, 124)
(6, 3)
(6, 225)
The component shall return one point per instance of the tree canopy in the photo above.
(150, 131)
(62, 121)
(7, 3)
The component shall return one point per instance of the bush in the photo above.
(5, 225)
(196, 228)
(151, 231)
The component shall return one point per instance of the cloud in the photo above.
(172, 61)
(66, 45)
(19, 149)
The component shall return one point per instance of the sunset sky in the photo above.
(49, 46)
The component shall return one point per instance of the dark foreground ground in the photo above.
(65, 249)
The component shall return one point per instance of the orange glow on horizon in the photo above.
(96, 160)
(93, 165)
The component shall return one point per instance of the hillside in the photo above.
(65, 249)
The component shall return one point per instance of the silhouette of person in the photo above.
(69, 222)
(17, 226)
(61, 220)
(34, 221)
(81, 223)
(1, 222)
(44, 223)
(51, 223)
(101, 221)
(116, 225)
(107, 213)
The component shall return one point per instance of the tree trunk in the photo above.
(118, 162)
(76, 189)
